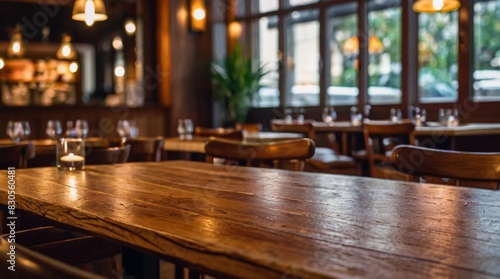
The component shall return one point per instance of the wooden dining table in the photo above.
(431, 130)
(197, 144)
(245, 222)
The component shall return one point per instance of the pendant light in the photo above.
(436, 6)
(89, 11)
(66, 50)
(16, 48)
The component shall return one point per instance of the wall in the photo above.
(183, 59)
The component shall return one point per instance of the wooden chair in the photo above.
(325, 159)
(16, 155)
(111, 155)
(145, 149)
(480, 170)
(380, 138)
(234, 134)
(30, 264)
(259, 153)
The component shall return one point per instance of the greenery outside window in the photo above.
(437, 57)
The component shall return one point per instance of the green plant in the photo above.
(236, 81)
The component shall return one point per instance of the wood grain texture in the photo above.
(265, 223)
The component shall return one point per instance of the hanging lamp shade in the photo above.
(89, 11)
(66, 50)
(436, 6)
(16, 47)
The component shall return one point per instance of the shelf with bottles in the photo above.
(24, 82)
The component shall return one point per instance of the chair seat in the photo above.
(326, 161)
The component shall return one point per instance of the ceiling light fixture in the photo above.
(16, 48)
(436, 6)
(66, 50)
(197, 15)
(89, 11)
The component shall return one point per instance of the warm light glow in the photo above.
(235, 29)
(436, 6)
(73, 67)
(117, 43)
(199, 14)
(119, 71)
(66, 51)
(16, 47)
(351, 46)
(130, 27)
(89, 12)
(2, 63)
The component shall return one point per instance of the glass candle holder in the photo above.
(70, 154)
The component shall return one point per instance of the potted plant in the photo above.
(236, 81)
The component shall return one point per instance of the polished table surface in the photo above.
(265, 223)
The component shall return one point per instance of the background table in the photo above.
(265, 223)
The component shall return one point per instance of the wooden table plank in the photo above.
(250, 222)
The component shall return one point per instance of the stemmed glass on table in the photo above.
(329, 115)
(18, 130)
(81, 128)
(54, 129)
(127, 129)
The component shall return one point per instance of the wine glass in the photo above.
(81, 128)
(181, 129)
(329, 115)
(54, 129)
(25, 130)
(123, 129)
(133, 130)
(188, 128)
(14, 130)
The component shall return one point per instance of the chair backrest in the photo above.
(29, 264)
(280, 153)
(381, 137)
(16, 155)
(280, 125)
(249, 127)
(110, 155)
(481, 170)
(145, 149)
(235, 134)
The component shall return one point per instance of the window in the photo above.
(343, 37)
(312, 51)
(384, 53)
(486, 71)
(302, 58)
(266, 53)
(437, 57)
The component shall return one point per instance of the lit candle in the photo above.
(72, 158)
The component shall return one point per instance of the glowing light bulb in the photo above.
(199, 14)
(89, 12)
(437, 4)
(73, 67)
(2, 63)
(16, 47)
(130, 27)
(119, 71)
(66, 51)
